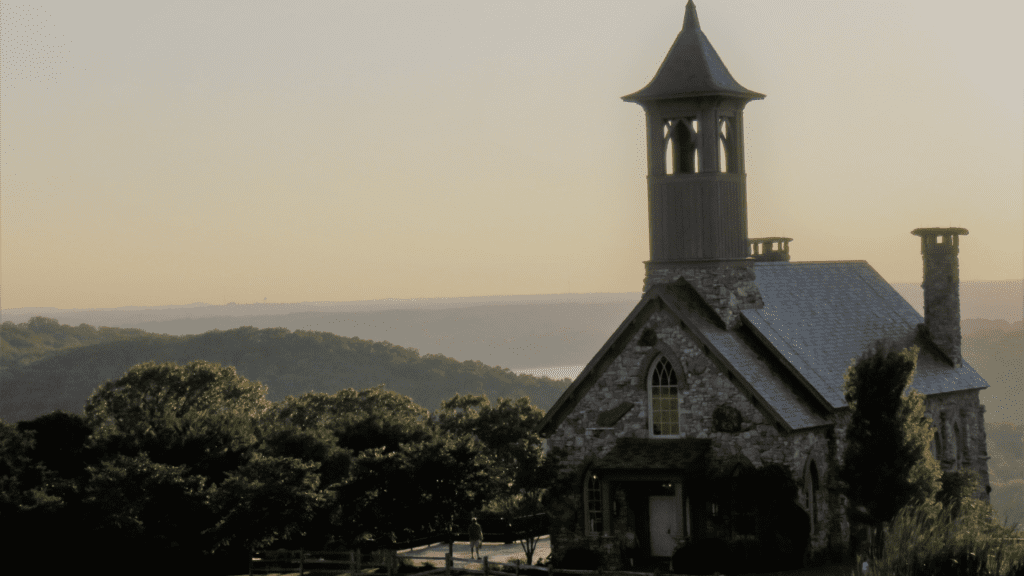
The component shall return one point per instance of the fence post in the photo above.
(485, 566)
(250, 563)
(302, 562)
(448, 563)
(517, 567)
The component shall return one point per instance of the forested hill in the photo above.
(289, 363)
(22, 344)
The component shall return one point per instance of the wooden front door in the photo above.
(665, 527)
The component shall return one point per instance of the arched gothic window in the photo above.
(663, 390)
(595, 504)
(811, 493)
(959, 447)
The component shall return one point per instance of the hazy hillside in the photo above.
(1006, 469)
(542, 334)
(996, 351)
(40, 337)
(289, 363)
(514, 331)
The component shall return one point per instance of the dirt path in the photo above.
(494, 551)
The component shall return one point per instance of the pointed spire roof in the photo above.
(692, 68)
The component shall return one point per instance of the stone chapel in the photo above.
(734, 358)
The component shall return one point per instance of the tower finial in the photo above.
(690, 19)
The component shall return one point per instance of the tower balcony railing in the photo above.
(770, 249)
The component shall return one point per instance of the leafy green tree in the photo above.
(143, 510)
(887, 463)
(521, 475)
(183, 467)
(268, 499)
(61, 443)
(315, 446)
(417, 489)
(318, 445)
(21, 487)
(201, 415)
(359, 419)
(507, 431)
(525, 503)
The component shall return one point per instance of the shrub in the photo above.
(934, 540)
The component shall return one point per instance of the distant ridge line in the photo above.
(375, 304)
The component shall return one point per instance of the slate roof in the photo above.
(819, 316)
(691, 68)
(792, 354)
(748, 362)
(646, 454)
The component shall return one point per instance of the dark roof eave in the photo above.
(641, 98)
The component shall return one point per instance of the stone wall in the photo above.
(963, 412)
(704, 386)
(727, 287)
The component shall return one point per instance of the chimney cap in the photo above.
(938, 231)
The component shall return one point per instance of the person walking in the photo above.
(476, 537)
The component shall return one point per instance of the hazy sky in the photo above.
(173, 152)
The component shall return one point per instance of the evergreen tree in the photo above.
(887, 463)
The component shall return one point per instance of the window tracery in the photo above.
(663, 390)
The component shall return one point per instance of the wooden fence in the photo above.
(489, 568)
(280, 561)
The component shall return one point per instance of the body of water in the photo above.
(555, 372)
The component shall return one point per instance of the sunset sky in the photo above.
(175, 152)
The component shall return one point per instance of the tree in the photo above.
(143, 509)
(182, 469)
(507, 432)
(412, 491)
(314, 445)
(359, 419)
(61, 443)
(22, 490)
(270, 498)
(521, 474)
(887, 463)
(200, 415)
(525, 504)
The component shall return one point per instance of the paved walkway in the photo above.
(494, 551)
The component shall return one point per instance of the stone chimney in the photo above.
(940, 247)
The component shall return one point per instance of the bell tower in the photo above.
(696, 181)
